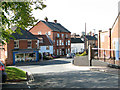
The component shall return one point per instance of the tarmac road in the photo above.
(60, 73)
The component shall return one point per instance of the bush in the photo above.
(83, 54)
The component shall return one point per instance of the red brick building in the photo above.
(59, 35)
(110, 42)
(23, 48)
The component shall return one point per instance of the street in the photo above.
(60, 73)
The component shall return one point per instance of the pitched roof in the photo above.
(25, 35)
(56, 26)
(116, 20)
(89, 37)
(46, 41)
(76, 40)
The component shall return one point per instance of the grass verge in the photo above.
(15, 73)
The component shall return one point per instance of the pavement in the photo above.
(61, 73)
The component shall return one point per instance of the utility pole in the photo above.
(85, 37)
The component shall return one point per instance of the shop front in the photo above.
(25, 56)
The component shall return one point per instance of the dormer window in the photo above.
(49, 33)
(39, 33)
(41, 40)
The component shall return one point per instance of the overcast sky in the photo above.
(72, 14)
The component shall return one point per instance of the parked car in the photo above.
(70, 55)
(2, 72)
(56, 56)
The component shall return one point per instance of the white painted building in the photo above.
(44, 44)
(77, 45)
(46, 49)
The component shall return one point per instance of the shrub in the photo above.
(83, 54)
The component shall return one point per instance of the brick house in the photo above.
(90, 40)
(23, 48)
(58, 34)
(110, 41)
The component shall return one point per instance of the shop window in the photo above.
(29, 44)
(47, 47)
(16, 44)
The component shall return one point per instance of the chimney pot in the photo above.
(46, 19)
(55, 21)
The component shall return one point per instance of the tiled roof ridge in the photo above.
(55, 26)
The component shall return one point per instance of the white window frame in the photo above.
(60, 52)
(54, 41)
(66, 50)
(57, 42)
(66, 35)
(58, 35)
(54, 50)
(60, 42)
(31, 43)
(17, 42)
(68, 42)
(62, 35)
(57, 52)
(49, 33)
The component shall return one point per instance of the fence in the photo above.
(106, 55)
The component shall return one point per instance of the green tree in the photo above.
(17, 14)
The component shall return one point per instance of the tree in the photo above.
(17, 14)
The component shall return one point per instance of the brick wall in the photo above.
(43, 28)
(105, 39)
(22, 45)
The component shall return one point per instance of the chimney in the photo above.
(46, 19)
(55, 21)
